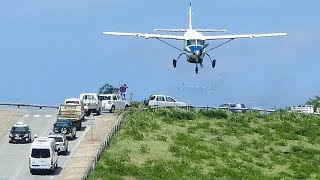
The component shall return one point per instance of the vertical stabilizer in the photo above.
(190, 17)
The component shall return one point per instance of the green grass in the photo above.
(180, 144)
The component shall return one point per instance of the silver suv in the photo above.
(234, 107)
(61, 142)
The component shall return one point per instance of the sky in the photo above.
(52, 50)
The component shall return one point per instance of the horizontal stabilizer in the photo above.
(171, 30)
(185, 30)
(211, 30)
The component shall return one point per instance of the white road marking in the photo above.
(47, 116)
(36, 116)
(27, 115)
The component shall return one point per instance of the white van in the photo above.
(43, 155)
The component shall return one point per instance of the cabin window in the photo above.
(191, 42)
(200, 42)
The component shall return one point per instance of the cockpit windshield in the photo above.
(195, 42)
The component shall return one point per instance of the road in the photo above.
(14, 157)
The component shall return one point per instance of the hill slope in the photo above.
(178, 144)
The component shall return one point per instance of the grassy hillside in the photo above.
(178, 144)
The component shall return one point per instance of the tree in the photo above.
(108, 89)
(315, 102)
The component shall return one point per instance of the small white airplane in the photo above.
(194, 41)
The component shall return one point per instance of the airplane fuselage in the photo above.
(194, 46)
(195, 54)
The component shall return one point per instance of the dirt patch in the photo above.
(8, 117)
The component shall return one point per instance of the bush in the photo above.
(173, 114)
(214, 114)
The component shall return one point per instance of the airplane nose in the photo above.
(197, 53)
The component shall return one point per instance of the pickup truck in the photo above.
(91, 103)
(74, 112)
(306, 109)
(112, 102)
(163, 101)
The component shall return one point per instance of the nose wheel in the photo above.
(197, 69)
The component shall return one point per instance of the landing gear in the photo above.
(213, 62)
(174, 61)
(196, 69)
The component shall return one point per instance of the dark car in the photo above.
(65, 127)
(20, 132)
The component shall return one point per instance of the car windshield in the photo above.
(57, 138)
(19, 129)
(62, 123)
(40, 153)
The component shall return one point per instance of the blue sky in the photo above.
(51, 50)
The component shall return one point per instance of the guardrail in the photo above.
(198, 108)
(28, 105)
(104, 143)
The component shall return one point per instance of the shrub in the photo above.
(214, 114)
(173, 114)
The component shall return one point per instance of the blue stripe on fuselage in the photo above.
(195, 48)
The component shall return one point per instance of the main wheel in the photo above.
(213, 63)
(197, 70)
(174, 62)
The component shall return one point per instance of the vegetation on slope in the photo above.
(179, 144)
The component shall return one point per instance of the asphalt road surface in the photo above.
(14, 158)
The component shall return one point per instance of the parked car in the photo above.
(61, 142)
(163, 101)
(234, 107)
(112, 102)
(20, 132)
(66, 127)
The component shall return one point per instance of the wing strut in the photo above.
(170, 44)
(220, 45)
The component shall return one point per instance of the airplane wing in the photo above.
(221, 37)
(156, 36)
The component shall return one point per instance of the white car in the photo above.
(234, 107)
(112, 102)
(61, 142)
(163, 101)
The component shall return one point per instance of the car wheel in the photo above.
(99, 112)
(112, 109)
(31, 171)
(74, 135)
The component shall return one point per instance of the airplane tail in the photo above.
(190, 17)
(190, 26)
